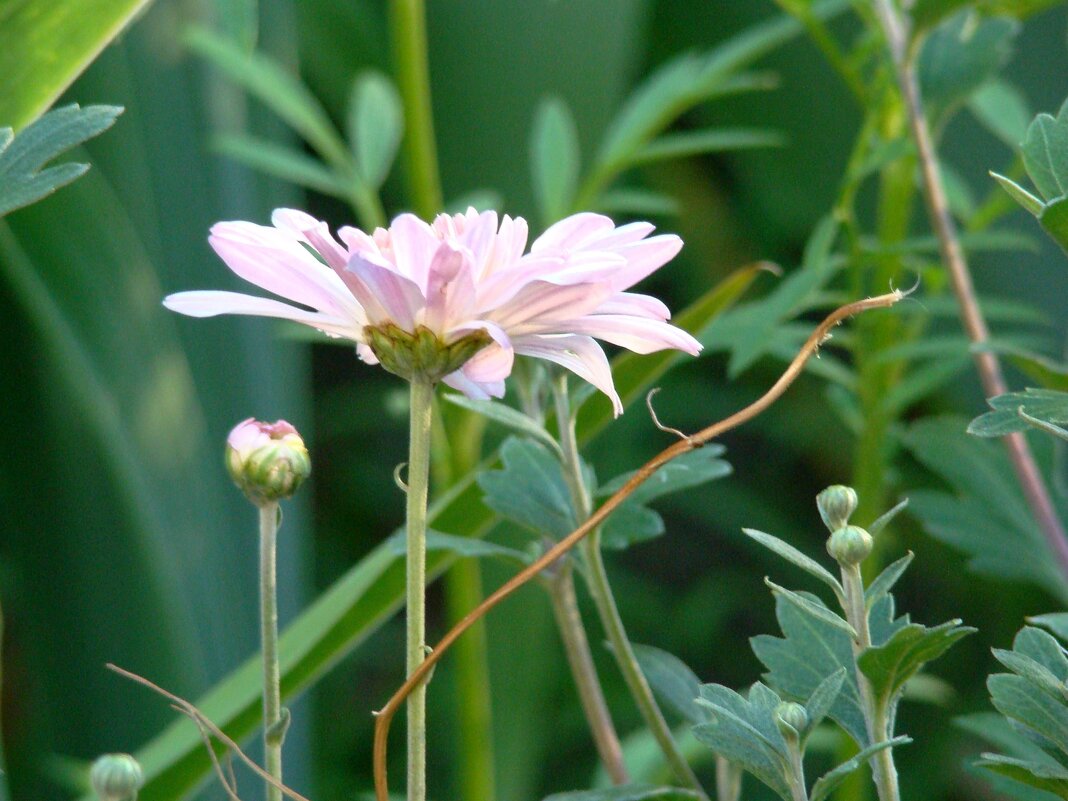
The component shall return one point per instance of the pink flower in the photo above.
(458, 276)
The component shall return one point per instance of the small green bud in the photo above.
(791, 718)
(422, 352)
(116, 777)
(836, 504)
(850, 545)
(268, 461)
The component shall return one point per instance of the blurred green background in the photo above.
(123, 541)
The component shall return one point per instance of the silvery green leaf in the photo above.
(823, 697)
(554, 158)
(827, 783)
(885, 581)
(674, 683)
(890, 665)
(812, 608)
(1019, 194)
(1045, 153)
(530, 489)
(1040, 775)
(506, 416)
(628, 792)
(375, 125)
(791, 554)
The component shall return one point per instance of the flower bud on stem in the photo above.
(116, 777)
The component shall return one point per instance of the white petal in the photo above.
(639, 334)
(472, 389)
(539, 305)
(386, 296)
(644, 258)
(450, 293)
(635, 304)
(414, 245)
(315, 232)
(579, 354)
(572, 231)
(211, 303)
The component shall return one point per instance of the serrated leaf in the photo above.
(554, 159)
(1019, 194)
(791, 554)
(959, 56)
(506, 416)
(1002, 109)
(812, 608)
(24, 179)
(1044, 649)
(1035, 672)
(1057, 622)
(1045, 153)
(823, 697)
(716, 140)
(276, 88)
(628, 792)
(674, 683)
(283, 162)
(1051, 778)
(827, 783)
(985, 515)
(890, 665)
(375, 126)
(886, 580)
(530, 489)
(1046, 405)
(1019, 700)
(1054, 217)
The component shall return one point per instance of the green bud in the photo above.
(422, 353)
(836, 504)
(791, 718)
(116, 777)
(268, 461)
(850, 545)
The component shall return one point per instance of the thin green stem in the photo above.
(273, 725)
(407, 21)
(422, 392)
(797, 770)
(876, 714)
(728, 780)
(561, 589)
(604, 600)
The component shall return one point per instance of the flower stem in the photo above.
(798, 792)
(407, 20)
(273, 726)
(577, 647)
(603, 599)
(875, 710)
(422, 392)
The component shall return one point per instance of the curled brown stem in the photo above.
(205, 725)
(384, 716)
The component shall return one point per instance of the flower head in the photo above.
(268, 461)
(462, 285)
(116, 777)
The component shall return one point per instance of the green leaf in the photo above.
(554, 159)
(375, 126)
(1032, 670)
(1019, 194)
(812, 649)
(890, 665)
(985, 515)
(1041, 369)
(628, 792)
(530, 489)
(883, 520)
(1002, 108)
(1043, 776)
(1048, 405)
(1054, 218)
(276, 88)
(45, 45)
(637, 202)
(506, 416)
(827, 783)
(886, 580)
(823, 697)
(926, 13)
(1020, 700)
(1042, 648)
(460, 546)
(674, 683)
(1057, 622)
(743, 731)
(959, 56)
(716, 140)
(283, 162)
(791, 554)
(1045, 153)
(815, 609)
(24, 179)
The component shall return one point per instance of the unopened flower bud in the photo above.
(116, 777)
(791, 718)
(836, 504)
(268, 461)
(850, 545)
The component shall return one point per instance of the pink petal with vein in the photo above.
(579, 354)
(386, 296)
(638, 334)
(211, 303)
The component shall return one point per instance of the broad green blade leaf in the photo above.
(717, 140)
(283, 93)
(1045, 153)
(814, 609)
(1057, 622)
(827, 783)
(890, 665)
(674, 683)
(1051, 778)
(985, 515)
(1002, 108)
(636, 202)
(506, 416)
(1054, 219)
(629, 792)
(283, 162)
(24, 179)
(1019, 194)
(45, 45)
(530, 489)
(1048, 405)
(886, 580)
(685, 472)
(1041, 647)
(554, 159)
(791, 554)
(1032, 670)
(1018, 699)
(375, 126)
(823, 697)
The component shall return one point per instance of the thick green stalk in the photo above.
(605, 601)
(407, 21)
(798, 790)
(273, 727)
(876, 714)
(422, 392)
